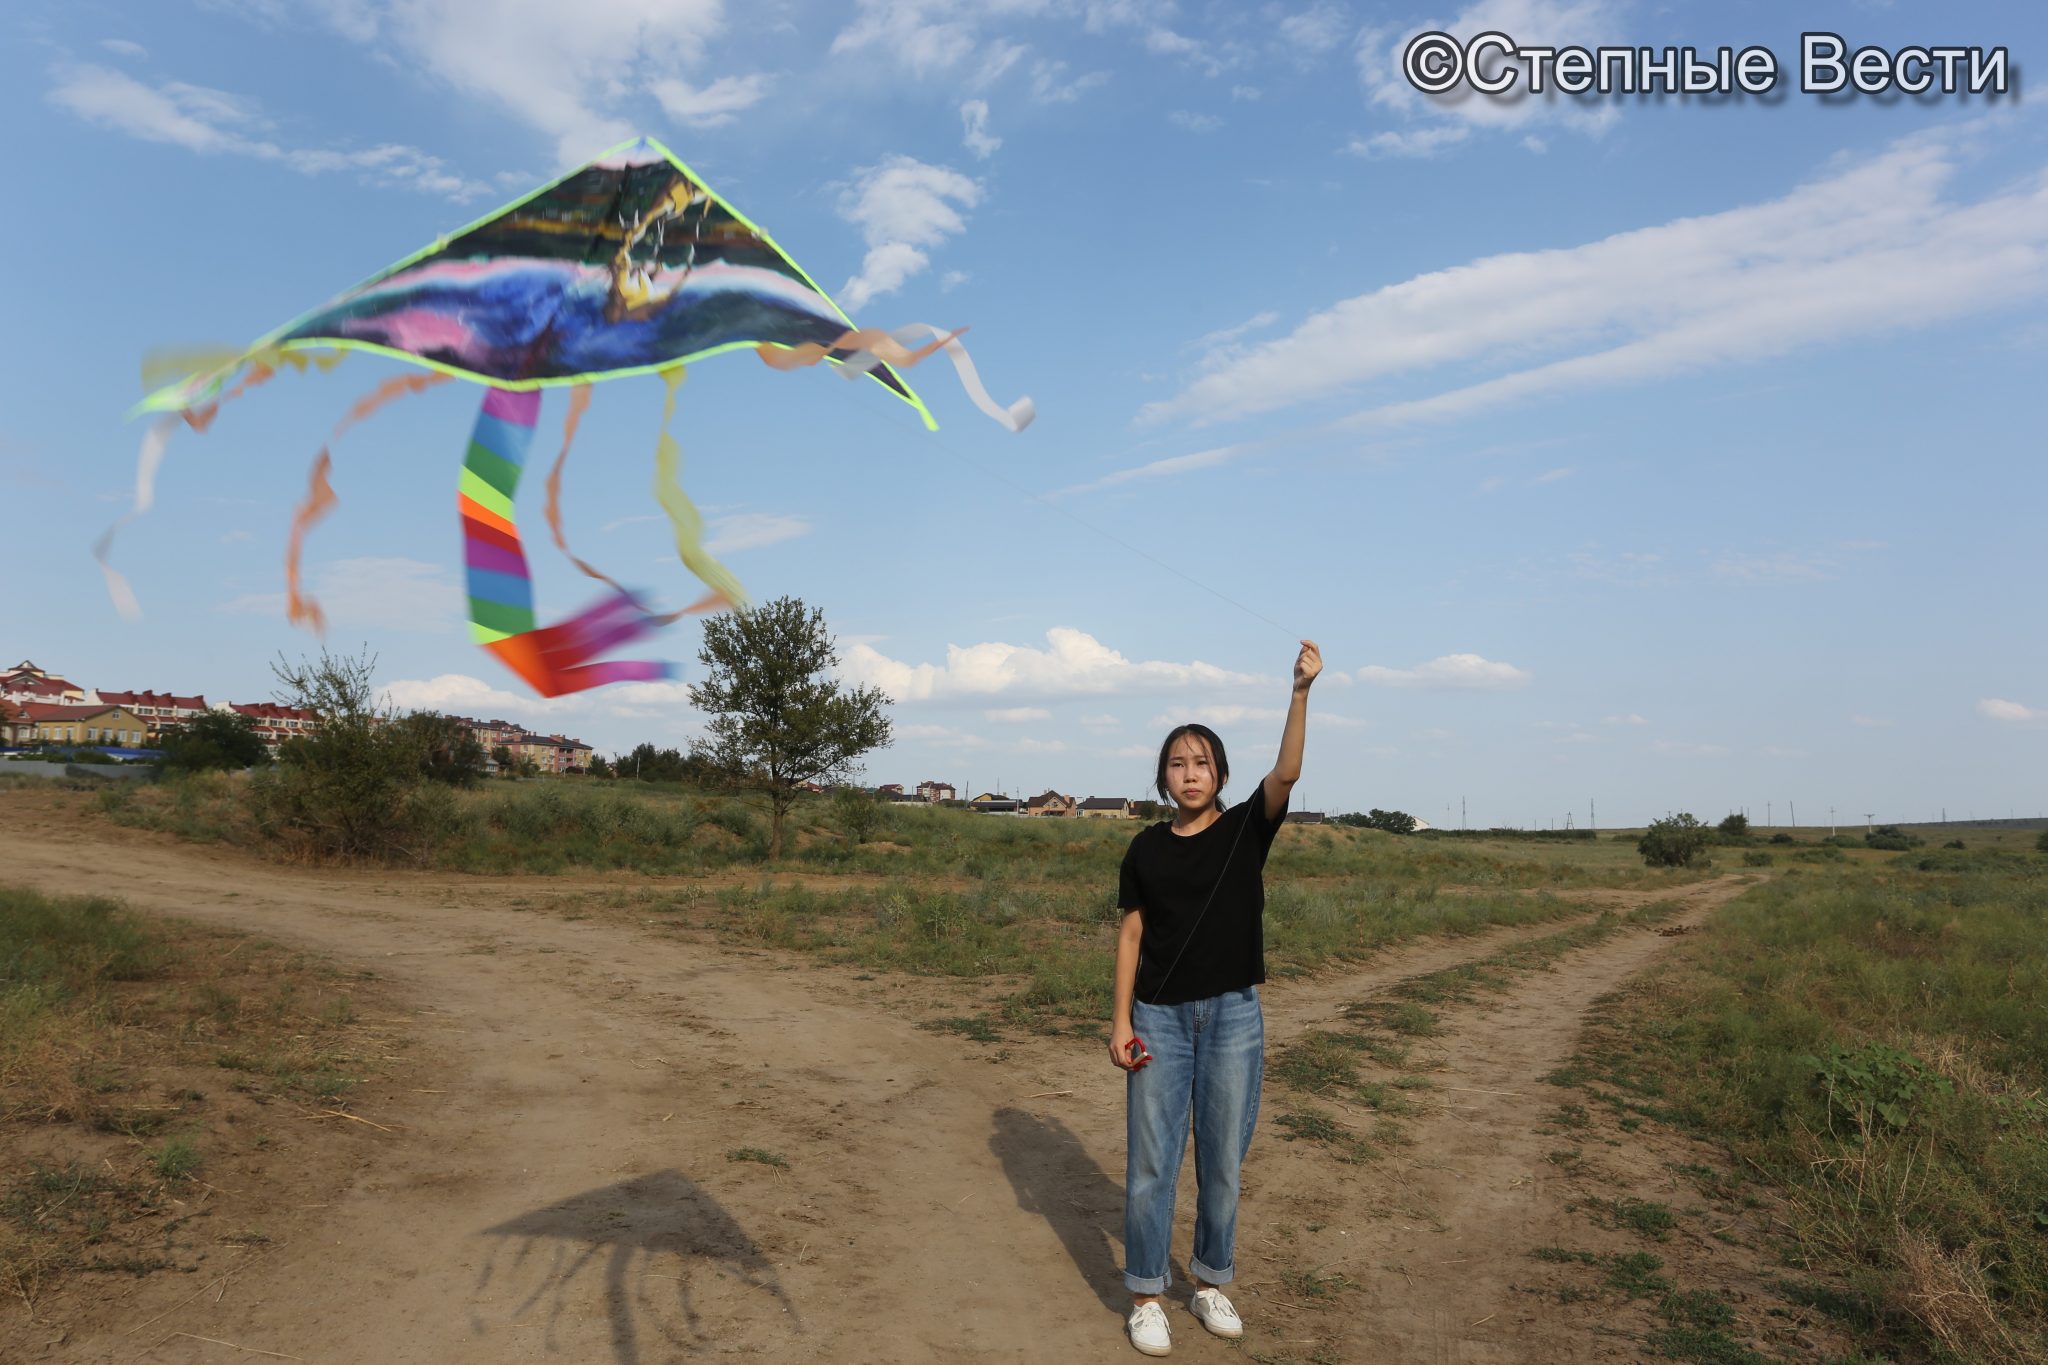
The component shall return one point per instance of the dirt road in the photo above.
(571, 1190)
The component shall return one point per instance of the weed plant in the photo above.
(1874, 1039)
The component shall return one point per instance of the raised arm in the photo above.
(1279, 783)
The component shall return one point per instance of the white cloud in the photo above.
(1246, 93)
(713, 105)
(1630, 719)
(1553, 475)
(1552, 23)
(462, 694)
(1873, 722)
(922, 34)
(1868, 248)
(1160, 469)
(1102, 722)
(902, 207)
(751, 530)
(373, 594)
(2011, 712)
(1419, 142)
(1218, 715)
(1051, 85)
(1038, 746)
(975, 133)
(1785, 566)
(1451, 672)
(1223, 336)
(215, 122)
(565, 69)
(123, 47)
(1316, 29)
(1074, 664)
(1018, 715)
(940, 734)
(1194, 123)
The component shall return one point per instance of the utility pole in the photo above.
(1461, 814)
(1767, 815)
(1831, 822)
(1592, 815)
(1794, 805)
(1867, 817)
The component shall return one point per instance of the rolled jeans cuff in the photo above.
(1147, 1284)
(1208, 1276)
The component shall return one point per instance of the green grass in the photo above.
(760, 1156)
(1871, 1040)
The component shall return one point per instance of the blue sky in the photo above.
(1662, 454)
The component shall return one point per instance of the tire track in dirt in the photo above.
(570, 1194)
(1437, 1237)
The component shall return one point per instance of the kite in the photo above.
(628, 265)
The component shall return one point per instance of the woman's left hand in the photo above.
(1307, 665)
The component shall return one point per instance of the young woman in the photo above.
(1187, 1028)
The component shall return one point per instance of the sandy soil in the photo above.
(558, 1181)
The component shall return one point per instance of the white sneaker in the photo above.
(1214, 1312)
(1148, 1330)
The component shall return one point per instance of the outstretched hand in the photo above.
(1307, 665)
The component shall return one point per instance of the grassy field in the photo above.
(1871, 1039)
(136, 1059)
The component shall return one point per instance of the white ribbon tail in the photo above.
(1015, 418)
(147, 461)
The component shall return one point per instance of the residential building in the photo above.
(552, 753)
(1049, 803)
(992, 803)
(1305, 817)
(30, 722)
(25, 682)
(275, 722)
(162, 710)
(936, 792)
(1107, 808)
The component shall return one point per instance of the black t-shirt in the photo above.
(1171, 876)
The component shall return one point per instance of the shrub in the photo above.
(1734, 826)
(1756, 857)
(856, 813)
(1783, 838)
(223, 740)
(2041, 844)
(1675, 841)
(1893, 838)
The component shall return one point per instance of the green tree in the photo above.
(2041, 844)
(778, 717)
(1675, 841)
(224, 740)
(447, 749)
(858, 813)
(501, 754)
(1734, 826)
(600, 766)
(1392, 821)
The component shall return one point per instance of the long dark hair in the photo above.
(1216, 756)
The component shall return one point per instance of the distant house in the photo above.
(275, 722)
(162, 710)
(30, 722)
(1049, 803)
(936, 792)
(25, 682)
(1107, 808)
(989, 803)
(893, 790)
(552, 753)
(1305, 817)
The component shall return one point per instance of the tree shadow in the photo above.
(628, 1228)
(1055, 1178)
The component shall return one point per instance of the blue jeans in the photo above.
(1208, 1058)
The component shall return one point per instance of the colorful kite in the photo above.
(628, 265)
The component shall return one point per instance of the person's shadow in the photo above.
(629, 1227)
(1055, 1178)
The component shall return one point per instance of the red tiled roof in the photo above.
(29, 682)
(146, 698)
(51, 710)
(270, 710)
